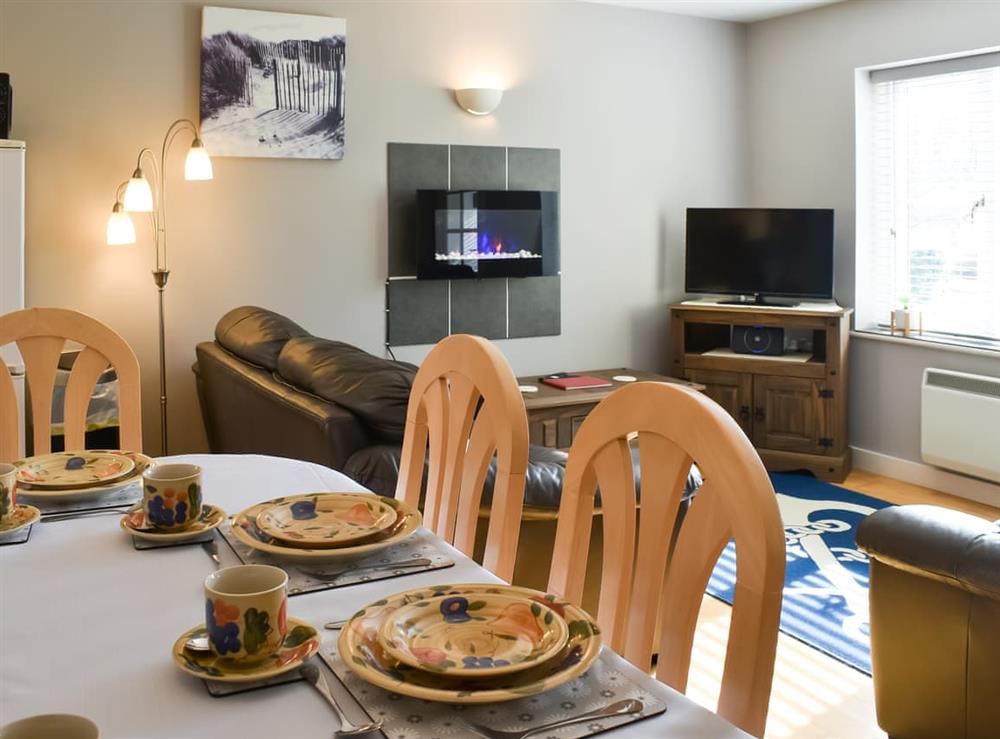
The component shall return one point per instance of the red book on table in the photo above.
(564, 381)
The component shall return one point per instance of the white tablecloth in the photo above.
(87, 622)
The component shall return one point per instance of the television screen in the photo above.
(486, 233)
(760, 251)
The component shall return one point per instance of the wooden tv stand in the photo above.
(793, 407)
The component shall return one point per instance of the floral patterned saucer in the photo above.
(301, 643)
(141, 462)
(326, 520)
(362, 651)
(245, 529)
(23, 515)
(491, 635)
(134, 522)
(73, 469)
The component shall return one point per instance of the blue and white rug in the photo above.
(826, 577)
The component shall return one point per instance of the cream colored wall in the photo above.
(647, 108)
(801, 116)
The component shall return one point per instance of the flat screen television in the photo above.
(487, 233)
(782, 252)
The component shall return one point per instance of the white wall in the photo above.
(647, 108)
(801, 153)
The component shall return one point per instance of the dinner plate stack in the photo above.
(474, 643)
(67, 476)
(325, 526)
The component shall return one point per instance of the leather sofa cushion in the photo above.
(377, 468)
(939, 543)
(256, 335)
(376, 390)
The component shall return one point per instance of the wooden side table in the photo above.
(554, 415)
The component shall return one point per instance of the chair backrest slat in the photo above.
(86, 371)
(9, 417)
(40, 335)
(649, 579)
(41, 360)
(664, 467)
(465, 407)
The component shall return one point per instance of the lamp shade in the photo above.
(138, 194)
(198, 165)
(121, 230)
(478, 100)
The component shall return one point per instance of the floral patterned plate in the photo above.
(23, 515)
(134, 522)
(245, 529)
(491, 635)
(141, 463)
(326, 520)
(362, 651)
(301, 643)
(73, 469)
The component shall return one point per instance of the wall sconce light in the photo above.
(478, 100)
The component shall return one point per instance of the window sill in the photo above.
(943, 342)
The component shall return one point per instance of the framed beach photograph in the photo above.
(272, 84)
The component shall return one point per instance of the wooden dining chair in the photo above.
(640, 592)
(40, 334)
(465, 407)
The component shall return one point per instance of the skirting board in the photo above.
(927, 476)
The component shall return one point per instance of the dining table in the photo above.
(87, 622)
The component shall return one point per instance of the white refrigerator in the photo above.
(12, 258)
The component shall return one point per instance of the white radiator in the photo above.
(960, 422)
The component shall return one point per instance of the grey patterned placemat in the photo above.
(143, 544)
(407, 717)
(16, 537)
(309, 577)
(113, 498)
(221, 689)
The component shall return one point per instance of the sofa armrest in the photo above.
(246, 410)
(939, 543)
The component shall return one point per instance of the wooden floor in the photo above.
(813, 696)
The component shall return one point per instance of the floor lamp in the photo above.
(137, 195)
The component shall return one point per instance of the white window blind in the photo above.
(935, 196)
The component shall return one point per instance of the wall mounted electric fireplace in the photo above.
(487, 233)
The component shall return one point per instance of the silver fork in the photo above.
(347, 727)
(621, 708)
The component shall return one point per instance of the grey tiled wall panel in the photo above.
(418, 311)
(534, 306)
(533, 169)
(479, 307)
(478, 168)
(412, 167)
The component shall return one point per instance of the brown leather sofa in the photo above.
(267, 386)
(935, 622)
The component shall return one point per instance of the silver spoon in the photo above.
(198, 644)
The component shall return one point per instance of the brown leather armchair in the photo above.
(935, 622)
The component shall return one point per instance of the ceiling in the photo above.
(743, 11)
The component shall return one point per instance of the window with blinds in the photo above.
(935, 195)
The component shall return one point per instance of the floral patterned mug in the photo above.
(246, 611)
(8, 493)
(171, 495)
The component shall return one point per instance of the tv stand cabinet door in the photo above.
(732, 390)
(790, 415)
